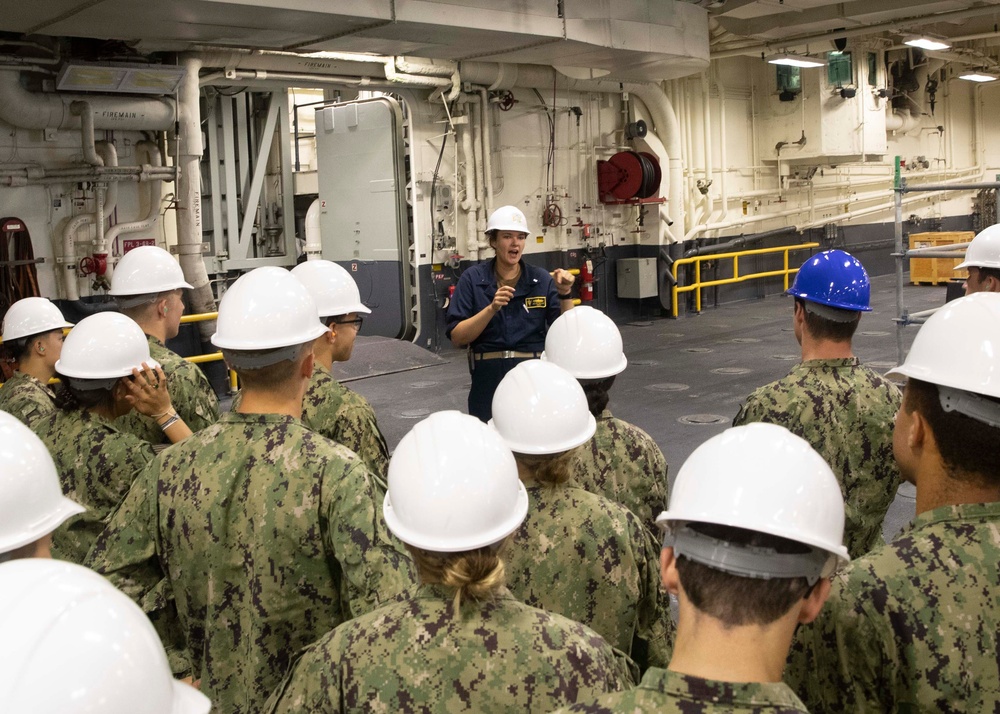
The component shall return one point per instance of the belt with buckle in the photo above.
(505, 354)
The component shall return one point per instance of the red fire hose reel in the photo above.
(628, 177)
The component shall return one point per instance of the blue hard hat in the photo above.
(833, 278)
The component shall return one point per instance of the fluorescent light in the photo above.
(123, 78)
(978, 77)
(796, 60)
(927, 43)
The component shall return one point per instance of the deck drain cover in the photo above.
(874, 333)
(415, 413)
(731, 370)
(423, 385)
(667, 387)
(785, 358)
(703, 419)
(698, 349)
(643, 362)
(639, 323)
(746, 340)
(787, 329)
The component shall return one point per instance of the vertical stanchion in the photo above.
(897, 189)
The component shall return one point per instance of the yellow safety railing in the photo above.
(697, 260)
(213, 356)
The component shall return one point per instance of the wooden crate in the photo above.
(937, 271)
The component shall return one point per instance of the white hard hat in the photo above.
(32, 316)
(332, 287)
(32, 504)
(507, 218)
(958, 347)
(586, 343)
(762, 478)
(73, 644)
(107, 345)
(438, 501)
(265, 309)
(145, 270)
(984, 251)
(540, 408)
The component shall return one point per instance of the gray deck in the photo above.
(685, 381)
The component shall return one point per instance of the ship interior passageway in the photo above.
(685, 381)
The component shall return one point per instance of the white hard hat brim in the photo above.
(551, 448)
(445, 544)
(358, 307)
(81, 374)
(668, 519)
(139, 291)
(598, 374)
(257, 345)
(62, 513)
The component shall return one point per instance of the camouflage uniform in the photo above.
(624, 464)
(26, 398)
(417, 656)
(674, 693)
(97, 463)
(589, 559)
(345, 417)
(190, 393)
(912, 626)
(846, 412)
(270, 536)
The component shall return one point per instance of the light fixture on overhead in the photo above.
(119, 78)
(979, 75)
(927, 42)
(795, 60)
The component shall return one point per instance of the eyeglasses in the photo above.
(356, 321)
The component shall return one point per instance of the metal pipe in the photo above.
(486, 128)
(27, 110)
(947, 187)
(83, 110)
(897, 200)
(468, 204)
(100, 251)
(737, 242)
(188, 212)
(152, 215)
(471, 105)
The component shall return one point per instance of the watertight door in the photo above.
(364, 218)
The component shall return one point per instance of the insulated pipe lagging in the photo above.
(28, 110)
(152, 216)
(188, 212)
(86, 114)
(314, 243)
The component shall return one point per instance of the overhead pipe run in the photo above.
(27, 110)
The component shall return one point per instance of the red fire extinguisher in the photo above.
(587, 281)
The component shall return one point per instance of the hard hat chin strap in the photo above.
(746, 560)
(970, 404)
